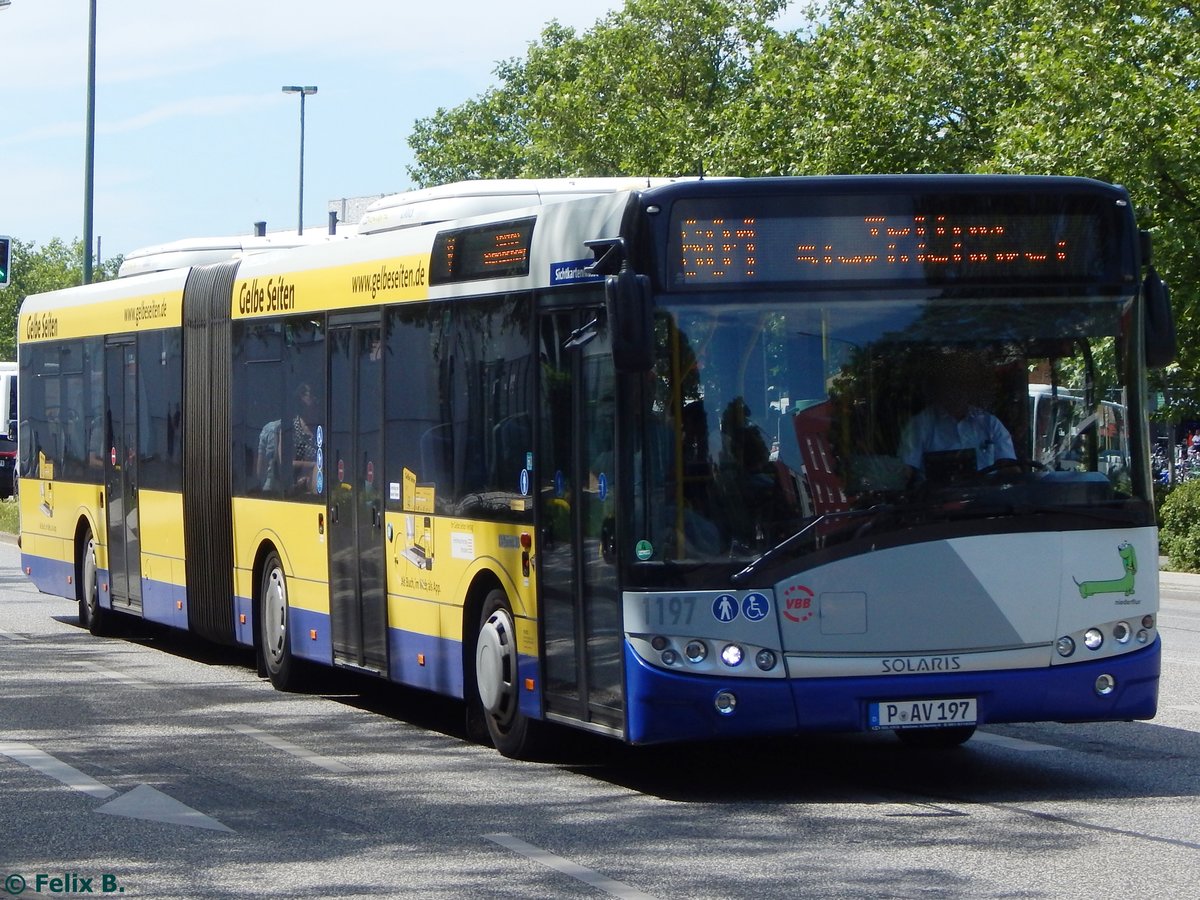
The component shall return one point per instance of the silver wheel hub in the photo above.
(274, 610)
(496, 664)
(89, 576)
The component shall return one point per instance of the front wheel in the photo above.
(497, 680)
(282, 667)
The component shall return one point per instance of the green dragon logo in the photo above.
(1122, 585)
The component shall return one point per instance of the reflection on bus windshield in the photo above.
(760, 422)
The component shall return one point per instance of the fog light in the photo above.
(670, 658)
(1093, 639)
(1121, 632)
(1147, 621)
(659, 643)
(696, 651)
(1065, 646)
(725, 703)
(1105, 685)
(1143, 636)
(732, 655)
(765, 660)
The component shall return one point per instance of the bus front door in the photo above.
(577, 577)
(354, 473)
(121, 474)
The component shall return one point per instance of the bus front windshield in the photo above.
(808, 427)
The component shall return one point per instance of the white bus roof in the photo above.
(203, 250)
(459, 200)
(463, 199)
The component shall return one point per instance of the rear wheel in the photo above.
(92, 615)
(497, 680)
(282, 667)
(936, 738)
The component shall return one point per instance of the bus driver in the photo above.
(953, 435)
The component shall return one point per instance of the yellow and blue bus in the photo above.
(637, 459)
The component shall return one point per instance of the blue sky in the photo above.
(193, 134)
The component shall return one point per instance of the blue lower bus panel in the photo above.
(665, 706)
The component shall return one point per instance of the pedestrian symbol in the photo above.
(725, 608)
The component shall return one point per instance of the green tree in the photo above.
(887, 86)
(644, 92)
(1112, 93)
(35, 270)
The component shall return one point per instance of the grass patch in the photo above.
(9, 518)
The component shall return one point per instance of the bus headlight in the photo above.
(725, 702)
(732, 655)
(765, 660)
(1121, 632)
(696, 651)
(1065, 646)
(1105, 685)
(1093, 638)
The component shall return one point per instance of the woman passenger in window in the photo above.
(305, 442)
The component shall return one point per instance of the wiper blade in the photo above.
(784, 546)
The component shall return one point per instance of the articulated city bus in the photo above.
(660, 462)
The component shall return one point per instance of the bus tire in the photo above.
(281, 666)
(92, 615)
(935, 738)
(497, 681)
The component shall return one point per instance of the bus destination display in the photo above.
(932, 248)
(487, 251)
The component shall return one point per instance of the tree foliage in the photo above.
(35, 270)
(1108, 89)
(645, 92)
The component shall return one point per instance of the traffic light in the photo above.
(5, 260)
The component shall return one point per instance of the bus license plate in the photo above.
(922, 713)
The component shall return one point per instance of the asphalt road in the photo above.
(155, 766)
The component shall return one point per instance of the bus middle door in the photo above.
(121, 473)
(354, 466)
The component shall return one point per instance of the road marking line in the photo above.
(324, 762)
(12, 637)
(112, 674)
(1010, 743)
(574, 870)
(43, 762)
(145, 802)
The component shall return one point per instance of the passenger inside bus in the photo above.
(303, 426)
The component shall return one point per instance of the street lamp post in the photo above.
(89, 153)
(303, 91)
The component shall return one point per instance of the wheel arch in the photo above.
(83, 526)
(484, 582)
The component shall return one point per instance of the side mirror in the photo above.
(630, 305)
(1158, 327)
